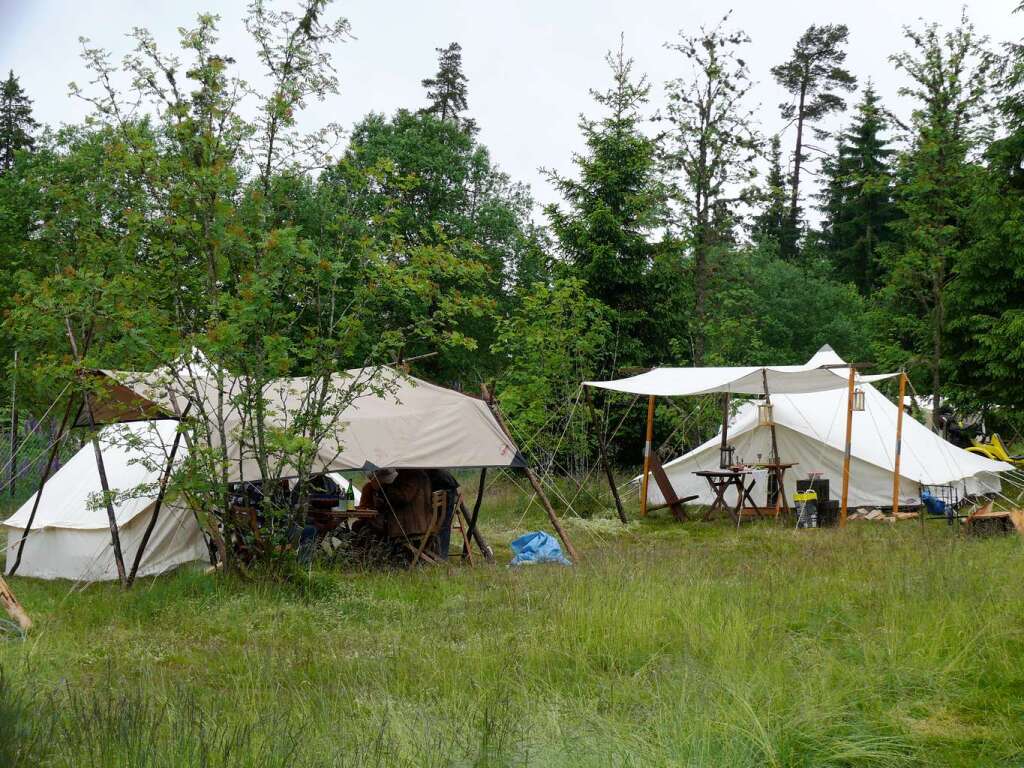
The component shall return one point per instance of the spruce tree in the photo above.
(447, 90)
(612, 209)
(856, 203)
(814, 76)
(770, 222)
(950, 75)
(16, 123)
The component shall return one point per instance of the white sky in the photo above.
(530, 63)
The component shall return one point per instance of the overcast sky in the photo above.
(530, 63)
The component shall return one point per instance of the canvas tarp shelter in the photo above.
(811, 430)
(379, 418)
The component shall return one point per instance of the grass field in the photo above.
(668, 645)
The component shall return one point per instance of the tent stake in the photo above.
(849, 440)
(603, 452)
(648, 441)
(42, 481)
(555, 522)
(13, 607)
(164, 479)
(899, 444)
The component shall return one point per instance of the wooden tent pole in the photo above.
(14, 426)
(164, 480)
(42, 480)
(13, 607)
(115, 538)
(474, 534)
(648, 443)
(849, 441)
(602, 449)
(555, 522)
(899, 444)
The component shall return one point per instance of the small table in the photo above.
(721, 480)
(778, 469)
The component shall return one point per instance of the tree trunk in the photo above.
(789, 250)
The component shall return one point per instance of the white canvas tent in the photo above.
(70, 537)
(811, 430)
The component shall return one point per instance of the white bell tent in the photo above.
(811, 430)
(70, 535)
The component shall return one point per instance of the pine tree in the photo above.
(856, 202)
(813, 76)
(447, 90)
(613, 208)
(16, 123)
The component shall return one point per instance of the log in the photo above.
(13, 607)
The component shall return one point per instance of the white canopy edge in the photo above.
(742, 380)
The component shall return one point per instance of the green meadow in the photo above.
(667, 645)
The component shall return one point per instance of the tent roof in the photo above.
(745, 380)
(377, 417)
(821, 416)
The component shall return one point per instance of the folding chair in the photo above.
(438, 506)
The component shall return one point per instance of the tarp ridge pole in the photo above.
(161, 493)
(899, 443)
(648, 443)
(603, 454)
(42, 480)
(532, 477)
(849, 442)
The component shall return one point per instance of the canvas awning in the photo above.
(740, 380)
(378, 418)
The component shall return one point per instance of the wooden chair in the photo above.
(438, 507)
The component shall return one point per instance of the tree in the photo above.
(612, 210)
(950, 76)
(857, 203)
(986, 297)
(447, 90)
(710, 152)
(16, 123)
(770, 223)
(814, 77)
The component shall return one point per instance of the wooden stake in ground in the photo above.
(602, 450)
(13, 607)
(555, 522)
(849, 441)
(899, 444)
(648, 447)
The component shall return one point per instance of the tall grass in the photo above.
(668, 645)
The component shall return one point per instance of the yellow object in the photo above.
(995, 449)
(806, 496)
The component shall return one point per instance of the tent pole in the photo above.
(603, 452)
(115, 538)
(473, 534)
(899, 444)
(14, 425)
(555, 522)
(42, 480)
(13, 607)
(164, 479)
(849, 440)
(648, 441)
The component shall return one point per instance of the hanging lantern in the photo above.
(764, 414)
(726, 456)
(858, 399)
